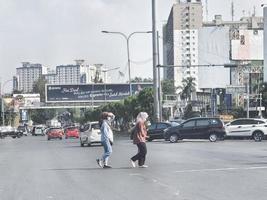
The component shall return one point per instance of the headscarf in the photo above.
(142, 116)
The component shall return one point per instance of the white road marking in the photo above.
(158, 182)
(221, 169)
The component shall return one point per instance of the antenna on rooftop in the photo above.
(254, 11)
(232, 10)
(207, 11)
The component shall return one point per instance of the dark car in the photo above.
(197, 128)
(156, 130)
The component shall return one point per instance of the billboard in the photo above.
(26, 100)
(91, 92)
(247, 45)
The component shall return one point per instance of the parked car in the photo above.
(90, 133)
(247, 127)
(54, 133)
(23, 130)
(38, 130)
(9, 131)
(196, 128)
(71, 131)
(156, 130)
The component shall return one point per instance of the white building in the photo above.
(190, 44)
(68, 74)
(180, 41)
(27, 75)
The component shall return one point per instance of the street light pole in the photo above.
(127, 38)
(155, 62)
(105, 72)
(2, 100)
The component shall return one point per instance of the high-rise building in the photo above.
(68, 74)
(76, 74)
(180, 41)
(190, 43)
(27, 75)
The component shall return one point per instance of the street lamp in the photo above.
(127, 38)
(2, 101)
(105, 77)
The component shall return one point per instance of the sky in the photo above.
(56, 32)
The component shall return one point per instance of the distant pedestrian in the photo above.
(106, 138)
(139, 138)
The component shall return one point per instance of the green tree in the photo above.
(188, 87)
(168, 88)
(125, 110)
(39, 87)
(141, 80)
(41, 116)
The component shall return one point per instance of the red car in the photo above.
(72, 131)
(54, 133)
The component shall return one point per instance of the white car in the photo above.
(38, 130)
(248, 127)
(90, 133)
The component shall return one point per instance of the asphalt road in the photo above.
(32, 168)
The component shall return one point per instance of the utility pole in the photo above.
(155, 62)
(159, 81)
(248, 99)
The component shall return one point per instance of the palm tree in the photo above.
(189, 86)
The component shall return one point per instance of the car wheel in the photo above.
(149, 140)
(66, 137)
(60, 138)
(13, 137)
(48, 138)
(89, 144)
(82, 144)
(173, 138)
(258, 136)
(213, 137)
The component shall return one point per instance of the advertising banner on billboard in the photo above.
(26, 100)
(247, 45)
(92, 92)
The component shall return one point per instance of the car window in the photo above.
(174, 124)
(162, 126)
(152, 127)
(72, 128)
(85, 127)
(202, 122)
(189, 124)
(237, 122)
(95, 126)
(259, 122)
(249, 121)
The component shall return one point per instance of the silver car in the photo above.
(90, 133)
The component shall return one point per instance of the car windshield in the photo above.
(173, 124)
(95, 126)
(72, 129)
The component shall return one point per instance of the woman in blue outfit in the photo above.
(106, 138)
